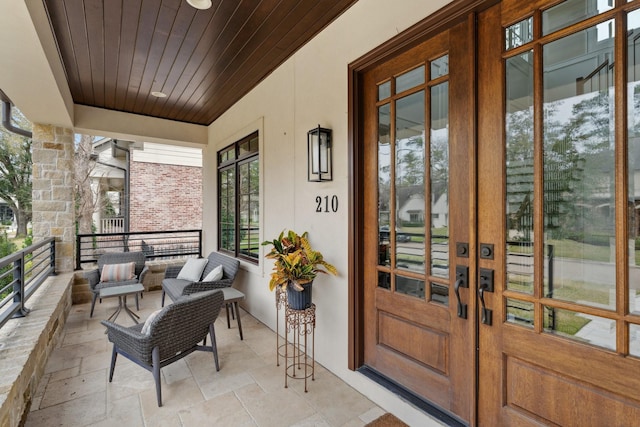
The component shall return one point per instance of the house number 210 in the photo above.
(328, 206)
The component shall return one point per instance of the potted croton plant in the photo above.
(296, 266)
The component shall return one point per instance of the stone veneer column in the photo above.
(52, 204)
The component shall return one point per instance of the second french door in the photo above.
(419, 164)
(500, 222)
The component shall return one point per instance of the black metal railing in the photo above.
(155, 244)
(21, 274)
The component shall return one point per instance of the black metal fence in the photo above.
(155, 244)
(21, 274)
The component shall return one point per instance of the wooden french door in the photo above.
(558, 198)
(419, 169)
(507, 149)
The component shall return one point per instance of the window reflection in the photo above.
(439, 182)
(384, 182)
(579, 186)
(581, 327)
(440, 294)
(411, 287)
(633, 138)
(634, 340)
(410, 79)
(410, 182)
(572, 11)
(519, 33)
(519, 312)
(519, 167)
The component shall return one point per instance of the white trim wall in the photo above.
(311, 88)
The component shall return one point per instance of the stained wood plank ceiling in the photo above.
(117, 52)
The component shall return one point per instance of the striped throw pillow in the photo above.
(118, 272)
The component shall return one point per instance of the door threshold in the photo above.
(417, 401)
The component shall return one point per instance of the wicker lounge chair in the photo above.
(176, 288)
(94, 276)
(174, 332)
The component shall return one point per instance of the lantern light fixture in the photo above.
(320, 162)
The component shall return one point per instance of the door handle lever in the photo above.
(486, 313)
(462, 308)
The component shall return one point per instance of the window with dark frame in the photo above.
(238, 199)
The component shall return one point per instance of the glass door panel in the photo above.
(384, 185)
(439, 182)
(579, 168)
(633, 142)
(571, 11)
(519, 169)
(410, 182)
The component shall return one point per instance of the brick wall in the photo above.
(165, 197)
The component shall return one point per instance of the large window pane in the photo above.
(227, 205)
(248, 209)
(579, 186)
(519, 167)
(410, 182)
(439, 182)
(239, 198)
(384, 183)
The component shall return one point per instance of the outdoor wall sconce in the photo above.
(320, 166)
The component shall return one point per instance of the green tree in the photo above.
(85, 199)
(15, 172)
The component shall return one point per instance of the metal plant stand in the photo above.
(281, 302)
(300, 324)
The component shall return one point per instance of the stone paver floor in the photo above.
(247, 391)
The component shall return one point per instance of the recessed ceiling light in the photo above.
(200, 4)
(159, 94)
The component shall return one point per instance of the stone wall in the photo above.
(52, 203)
(25, 346)
(165, 197)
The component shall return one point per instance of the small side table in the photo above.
(300, 324)
(121, 292)
(233, 296)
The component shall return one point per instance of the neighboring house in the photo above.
(411, 207)
(126, 179)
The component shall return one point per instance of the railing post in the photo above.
(52, 256)
(78, 266)
(18, 286)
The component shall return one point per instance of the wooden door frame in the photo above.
(447, 17)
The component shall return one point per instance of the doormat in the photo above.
(387, 420)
